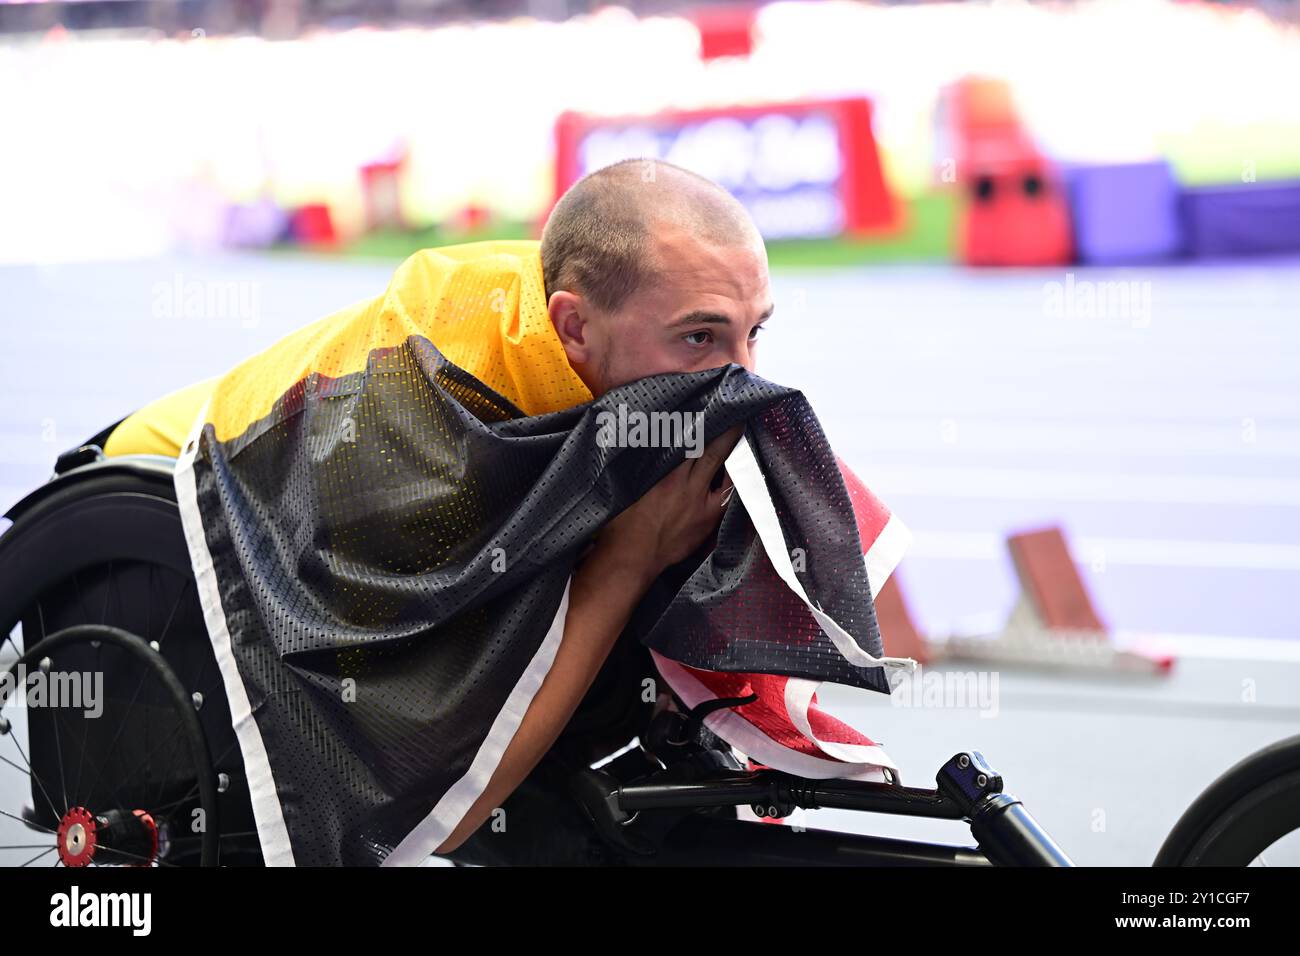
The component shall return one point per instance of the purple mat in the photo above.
(1126, 213)
(255, 225)
(1246, 219)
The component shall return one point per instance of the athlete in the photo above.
(647, 268)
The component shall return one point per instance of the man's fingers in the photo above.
(718, 499)
(715, 453)
(681, 473)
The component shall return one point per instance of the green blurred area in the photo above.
(927, 235)
(399, 245)
(1209, 155)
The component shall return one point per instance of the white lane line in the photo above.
(1216, 646)
(1155, 552)
(1245, 438)
(1035, 485)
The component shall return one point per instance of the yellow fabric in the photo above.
(482, 304)
(162, 426)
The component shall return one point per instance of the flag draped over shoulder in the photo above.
(384, 510)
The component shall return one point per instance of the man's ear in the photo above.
(566, 310)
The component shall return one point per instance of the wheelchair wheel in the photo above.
(167, 800)
(1249, 816)
(102, 546)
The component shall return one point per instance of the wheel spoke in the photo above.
(27, 772)
(40, 613)
(108, 591)
(9, 639)
(28, 823)
(161, 810)
(58, 752)
(194, 789)
(39, 855)
(152, 731)
(136, 856)
(81, 601)
(118, 736)
(172, 613)
(81, 763)
(162, 786)
(224, 836)
(143, 762)
(32, 773)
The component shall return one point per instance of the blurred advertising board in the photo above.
(803, 169)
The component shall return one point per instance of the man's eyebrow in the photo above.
(704, 317)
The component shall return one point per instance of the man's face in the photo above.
(702, 310)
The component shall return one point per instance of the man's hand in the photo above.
(671, 520)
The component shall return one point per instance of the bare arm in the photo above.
(665, 526)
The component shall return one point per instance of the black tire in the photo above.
(1245, 811)
(103, 545)
(86, 742)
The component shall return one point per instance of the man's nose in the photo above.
(742, 355)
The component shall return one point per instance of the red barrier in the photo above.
(725, 31)
(313, 225)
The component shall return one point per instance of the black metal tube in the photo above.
(1010, 836)
(769, 787)
(743, 789)
(883, 798)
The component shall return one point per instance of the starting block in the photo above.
(898, 631)
(1054, 623)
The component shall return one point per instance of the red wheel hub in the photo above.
(78, 834)
(151, 834)
(123, 837)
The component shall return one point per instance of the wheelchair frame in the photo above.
(668, 816)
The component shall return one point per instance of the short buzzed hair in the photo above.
(599, 239)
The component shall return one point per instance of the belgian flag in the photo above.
(384, 510)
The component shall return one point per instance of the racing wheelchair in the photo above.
(95, 580)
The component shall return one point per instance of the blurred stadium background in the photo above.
(1037, 265)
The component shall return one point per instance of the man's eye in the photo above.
(688, 337)
(753, 333)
